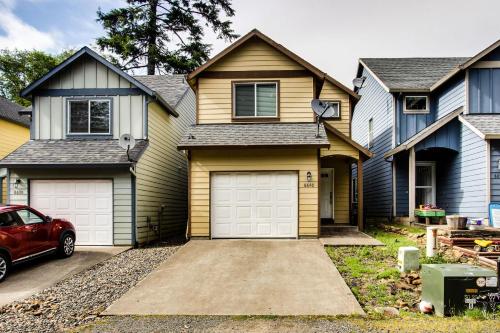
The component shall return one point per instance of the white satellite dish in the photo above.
(358, 82)
(127, 142)
(319, 107)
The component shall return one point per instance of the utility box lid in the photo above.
(460, 270)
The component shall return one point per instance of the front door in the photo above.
(425, 183)
(326, 188)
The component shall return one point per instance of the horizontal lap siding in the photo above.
(203, 162)
(495, 172)
(122, 194)
(50, 111)
(332, 93)
(255, 55)
(338, 147)
(162, 172)
(375, 103)
(401, 161)
(214, 100)
(461, 180)
(341, 192)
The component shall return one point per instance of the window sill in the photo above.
(89, 136)
(255, 119)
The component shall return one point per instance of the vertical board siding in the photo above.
(495, 170)
(162, 172)
(50, 117)
(484, 90)
(204, 162)
(446, 137)
(330, 92)
(122, 193)
(461, 177)
(375, 103)
(215, 101)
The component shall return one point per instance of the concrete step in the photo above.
(333, 229)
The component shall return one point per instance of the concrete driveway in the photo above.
(242, 277)
(31, 277)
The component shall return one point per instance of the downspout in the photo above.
(134, 201)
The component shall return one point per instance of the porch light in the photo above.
(17, 183)
(309, 176)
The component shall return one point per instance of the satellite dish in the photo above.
(358, 81)
(319, 107)
(127, 141)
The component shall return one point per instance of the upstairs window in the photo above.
(255, 100)
(90, 116)
(333, 111)
(416, 104)
(370, 133)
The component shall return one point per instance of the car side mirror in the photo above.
(48, 219)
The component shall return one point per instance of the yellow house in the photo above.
(260, 166)
(14, 131)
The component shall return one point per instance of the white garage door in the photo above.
(88, 204)
(254, 205)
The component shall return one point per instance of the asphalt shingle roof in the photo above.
(411, 73)
(253, 135)
(487, 124)
(170, 87)
(10, 111)
(39, 153)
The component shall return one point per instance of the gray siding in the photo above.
(375, 103)
(50, 112)
(162, 173)
(461, 177)
(495, 170)
(122, 193)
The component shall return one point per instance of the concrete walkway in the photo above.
(242, 277)
(33, 276)
(349, 238)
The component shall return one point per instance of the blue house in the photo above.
(434, 127)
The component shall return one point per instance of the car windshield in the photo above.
(29, 217)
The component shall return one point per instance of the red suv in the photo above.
(26, 233)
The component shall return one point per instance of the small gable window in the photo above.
(89, 116)
(333, 112)
(255, 100)
(416, 104)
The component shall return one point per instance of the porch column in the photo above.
(411, 185)
(360, 194)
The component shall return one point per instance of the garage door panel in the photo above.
(254, 205)
(88, 204)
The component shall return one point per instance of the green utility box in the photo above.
(453, 288)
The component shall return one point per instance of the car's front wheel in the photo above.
(67, 246)
(4, 266)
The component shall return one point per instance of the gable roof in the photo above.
(170, 87)
(486, 126)
(426, 132)
(257, 34)
(10, 111)
(409, 74)
(366, 152)
(26, 92)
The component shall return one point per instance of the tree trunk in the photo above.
(152, 35)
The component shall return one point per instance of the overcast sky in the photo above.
(331, 34)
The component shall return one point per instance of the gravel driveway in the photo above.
(80, 298)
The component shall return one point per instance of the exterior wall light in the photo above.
(17, 183)
(309, 176)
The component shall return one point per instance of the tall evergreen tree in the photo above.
(163, 36)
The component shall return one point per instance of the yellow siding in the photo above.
(203, 162)
(13, 136)
(341, 187)
(255, 55)
(162, 172)
(331, 92)
(339, 147)
(214, 99)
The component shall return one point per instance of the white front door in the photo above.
(88, 204)
(326, 189)
(254, 205)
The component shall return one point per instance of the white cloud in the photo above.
(16, 34)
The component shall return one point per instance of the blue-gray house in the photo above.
(434, 127)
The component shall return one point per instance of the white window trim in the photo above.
(370, 133)
(255, 84)
(433, 186)
(89, 101)
(338, 109)
(407, 111)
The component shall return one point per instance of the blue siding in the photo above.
(461, 177)
(495, 171)
(401, 161)
(442, 102)
(446, 137)
(484, 90)
(375, 103)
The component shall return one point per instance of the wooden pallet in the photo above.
(485, 258)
